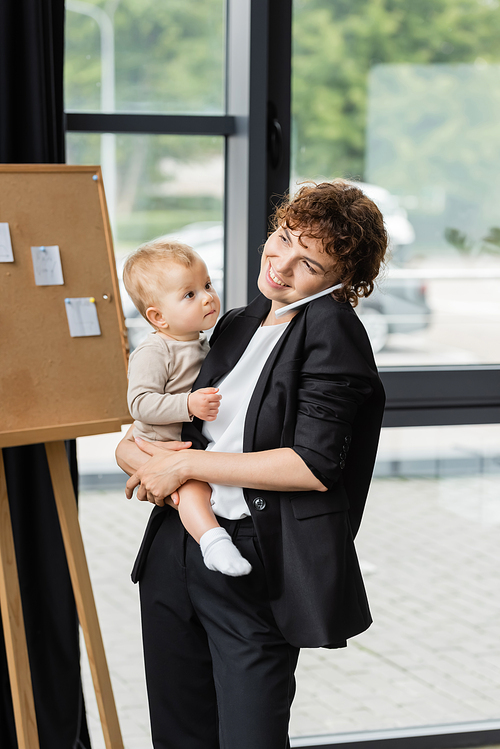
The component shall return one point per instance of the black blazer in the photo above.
(319, 393)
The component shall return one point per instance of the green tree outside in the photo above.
(338, 42)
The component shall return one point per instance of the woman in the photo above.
(298, 428)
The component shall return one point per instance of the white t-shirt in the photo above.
(225, 434)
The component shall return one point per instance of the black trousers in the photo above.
(219, 673)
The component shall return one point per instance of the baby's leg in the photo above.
(195, 509)
(219, 552)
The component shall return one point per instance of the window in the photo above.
(132, 56)
(429, 555)
(404, 97)
(166, 59)
(159, 185)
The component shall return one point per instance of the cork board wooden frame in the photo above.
(53, 386)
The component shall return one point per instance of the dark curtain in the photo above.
(32, 131)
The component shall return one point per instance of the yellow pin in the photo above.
(92, 300)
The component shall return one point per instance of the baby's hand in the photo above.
(204, 403)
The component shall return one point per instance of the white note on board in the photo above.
(47, 265)
(6, 254)
(82, 316)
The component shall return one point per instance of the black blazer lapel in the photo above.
(232, 342)
(258, 393)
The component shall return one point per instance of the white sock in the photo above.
(221, 555)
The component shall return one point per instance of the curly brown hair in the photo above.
(350, 227)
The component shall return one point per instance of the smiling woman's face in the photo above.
(291, 270)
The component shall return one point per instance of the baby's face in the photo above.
(189, 303)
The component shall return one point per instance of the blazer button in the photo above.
(259, 503)
(347, 439)
(342, 465)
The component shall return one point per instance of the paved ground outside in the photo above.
(430, 551)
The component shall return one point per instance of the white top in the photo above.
(226, 432)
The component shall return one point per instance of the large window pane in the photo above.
(404, 97)
(159, 185)
(429, 549)
(145, 56)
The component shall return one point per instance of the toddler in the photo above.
(170, 286)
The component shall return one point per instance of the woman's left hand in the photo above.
(160, 476)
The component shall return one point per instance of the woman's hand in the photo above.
(131, 455)
(155, 448)
(281, 469)
(163, 473)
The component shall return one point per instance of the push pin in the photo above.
(42, 249)
(67, 301)
(92, 300)
(95, 177)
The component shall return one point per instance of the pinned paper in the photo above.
(47, 265)
(6, 254)
(82, 316)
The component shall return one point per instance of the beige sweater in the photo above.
(161, 373)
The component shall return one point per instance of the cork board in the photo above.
(54, 386)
